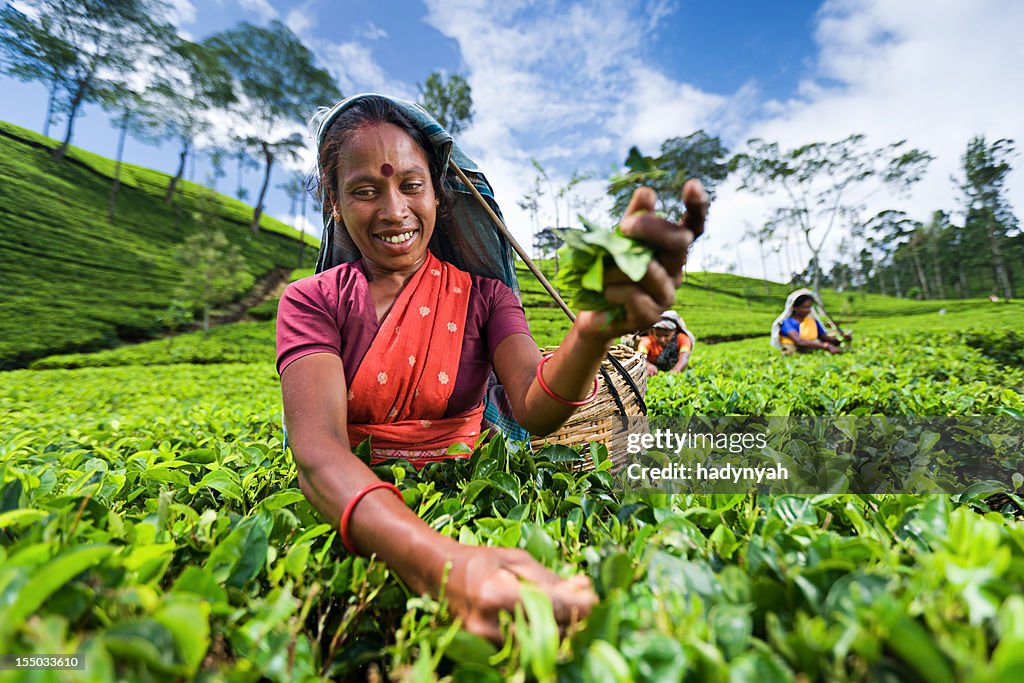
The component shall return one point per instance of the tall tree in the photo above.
(547, 242)
(893, 231)
(985, 167)
(214, 271)
(530, 203)
(279, 85)
(294, 186)
(698, 155)
(825, 184)
(33, 51)
(103, 38)
(449, 100)
(193, 83)
(935, 243)
(130, 109)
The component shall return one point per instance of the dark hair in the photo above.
(372, 110)
(802, 299)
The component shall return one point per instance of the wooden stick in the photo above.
(512, 240)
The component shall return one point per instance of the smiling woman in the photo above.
(395, 338)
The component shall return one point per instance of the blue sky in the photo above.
(574, 85)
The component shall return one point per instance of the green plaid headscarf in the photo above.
(470, 241)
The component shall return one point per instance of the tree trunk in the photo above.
(169, 195)
(49, 108)
(764, 265)
(206, 320)
(896, 281)
(116, 187)
(789, 263)
(919, 271)
(939, 284)
(962, 276)
(817, 273)
(258, 211)
(58, 154)
(240, 192)
(1002, 277)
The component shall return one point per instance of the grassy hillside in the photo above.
(718, 308)
(73, 282)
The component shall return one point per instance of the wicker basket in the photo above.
(601, 419)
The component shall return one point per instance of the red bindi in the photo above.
(387, 170)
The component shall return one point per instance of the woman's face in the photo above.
(662, 335)
(385, 196)
(802, 311)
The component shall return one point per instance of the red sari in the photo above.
(400, 392)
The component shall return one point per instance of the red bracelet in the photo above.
(547, 389)
(346, 538)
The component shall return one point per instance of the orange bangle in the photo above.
(346, 538)
(547, 389)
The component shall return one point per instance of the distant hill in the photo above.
(71, 281)
(718, 307)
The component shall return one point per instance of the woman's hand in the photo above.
(646, 300)
(484, 581)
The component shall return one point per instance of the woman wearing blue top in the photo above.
(802, 331)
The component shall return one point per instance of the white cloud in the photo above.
(303, 223)
(355, 69)
(657, 108)
(299, 19)
(181, 12)
(261, 7)
(562, 83)
(373, 32)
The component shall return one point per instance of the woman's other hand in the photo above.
(645, 301)
(485, 581)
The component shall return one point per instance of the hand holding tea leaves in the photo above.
(486, 581)
(623, 280)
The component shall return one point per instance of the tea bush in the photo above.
(150, 520)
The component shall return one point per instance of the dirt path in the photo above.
(269, 286)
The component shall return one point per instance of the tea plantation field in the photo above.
(74, 282)
(151, 522)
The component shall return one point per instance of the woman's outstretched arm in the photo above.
(569, 374)
(482, 582)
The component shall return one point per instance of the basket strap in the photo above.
(629, 381)
(551, 291)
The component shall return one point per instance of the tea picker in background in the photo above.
(799, 328)
(667, 345)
